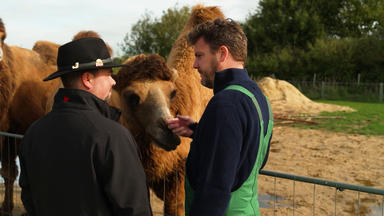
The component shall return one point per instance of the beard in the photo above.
(208, 76)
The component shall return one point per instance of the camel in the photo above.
(149, 91)
(22, 101)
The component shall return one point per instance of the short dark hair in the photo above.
(221, 32)
(70, 79)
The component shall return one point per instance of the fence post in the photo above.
(314, 79)
(358, 79)
(322, 89)
(381, 92)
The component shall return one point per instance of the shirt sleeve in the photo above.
(218, 145)
(122, 176)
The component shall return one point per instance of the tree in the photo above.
(298, 23)
(350, 18)
(153, 35)
(282, 23)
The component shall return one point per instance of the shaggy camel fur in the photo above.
(22, 99)
(144, 108)
(146, 89)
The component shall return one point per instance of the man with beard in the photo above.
(231, 141)
(77, 160)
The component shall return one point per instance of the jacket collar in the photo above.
(79, 99)
(225, 77)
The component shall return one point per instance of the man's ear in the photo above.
(87, 80)
(224, 53)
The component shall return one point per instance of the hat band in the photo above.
(79, 66)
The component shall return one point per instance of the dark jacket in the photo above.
(225, 143)
(77, 161)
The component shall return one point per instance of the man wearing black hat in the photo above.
(77, 160)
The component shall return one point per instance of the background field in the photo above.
(367, 120)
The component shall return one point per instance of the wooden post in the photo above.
(358, 79)
(314, 79)
(322, 89)
(381, 93)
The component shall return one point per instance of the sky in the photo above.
(27, 21)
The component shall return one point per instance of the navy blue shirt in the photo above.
(225, 143)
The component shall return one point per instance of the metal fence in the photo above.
(364, 92)
(300, 195)
(286, 194)
(8, 139)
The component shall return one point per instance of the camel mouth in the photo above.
(169, 144)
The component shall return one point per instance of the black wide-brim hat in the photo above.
(83, 54)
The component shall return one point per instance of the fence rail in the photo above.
(365, 92)
(338, 185)
(18, 136)
(358, 207)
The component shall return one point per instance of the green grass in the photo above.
(368, 120)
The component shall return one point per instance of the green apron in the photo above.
(244, 200)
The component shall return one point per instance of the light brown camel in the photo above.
(22, 101)
(146, 90)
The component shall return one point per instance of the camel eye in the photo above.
(173, 94)
(132, 99)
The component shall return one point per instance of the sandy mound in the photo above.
(286, 99)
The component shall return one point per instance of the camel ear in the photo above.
(175, 74)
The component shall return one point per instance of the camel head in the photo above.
(146, 88)
(201, 14)
(3, 34)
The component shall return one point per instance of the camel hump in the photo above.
(85, 34)
(201, 14)
(90, 33)
(47, 51)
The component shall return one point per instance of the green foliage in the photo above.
(278, 24)
(283, 64)
(338, 39)
(282, 23)
(155, 35)
(331, 59)
(369, 58)
(368, 120)
(350, 18)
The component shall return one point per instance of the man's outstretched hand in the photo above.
(179, 125)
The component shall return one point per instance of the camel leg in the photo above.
(174, 195)
(9, 172)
